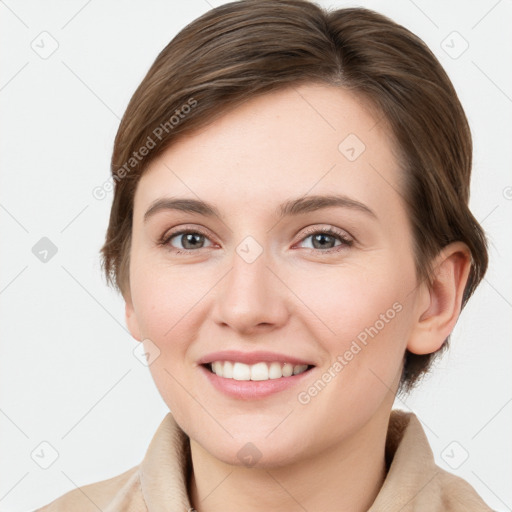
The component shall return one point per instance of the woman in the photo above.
(290, 232)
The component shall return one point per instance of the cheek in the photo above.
(348, 300)
(166, 302)
(364, 317)
(164, 299)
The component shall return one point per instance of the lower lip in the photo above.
(252, 389)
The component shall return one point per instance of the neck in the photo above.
(344, 477)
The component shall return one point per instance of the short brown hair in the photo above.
(246, 48)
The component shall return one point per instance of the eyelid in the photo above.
(346, 239)
(326, 228)
(170, 233)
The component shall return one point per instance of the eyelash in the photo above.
(345, 241)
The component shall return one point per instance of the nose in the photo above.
(251, 298)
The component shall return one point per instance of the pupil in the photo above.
(189, 238)
(321, 236)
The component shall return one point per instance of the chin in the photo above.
(258, 449)
(254, 454)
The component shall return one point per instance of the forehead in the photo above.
(312, 138)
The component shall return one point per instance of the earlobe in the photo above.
(131, 319)
(440, 304)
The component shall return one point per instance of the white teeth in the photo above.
(227, 370)
(274, 371)
(258, 371)
(287, 370)
(299, 368)
(217, 368)
(241, 371)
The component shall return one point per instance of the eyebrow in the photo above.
(291, 207)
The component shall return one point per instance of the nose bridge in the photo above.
(250, 296)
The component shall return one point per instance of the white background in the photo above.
(68, 374)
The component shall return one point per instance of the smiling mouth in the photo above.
(257, 372)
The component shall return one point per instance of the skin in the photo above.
(295, 298)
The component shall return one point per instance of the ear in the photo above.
(439, 305)
(131, 318)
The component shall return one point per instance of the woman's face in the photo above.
(258, 282)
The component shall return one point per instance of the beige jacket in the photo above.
(159, 483)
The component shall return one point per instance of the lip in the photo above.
(251, 389)
(251, 358)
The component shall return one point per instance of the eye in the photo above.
(324, 238)
(188, 239)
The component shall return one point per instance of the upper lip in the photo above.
(251, 357)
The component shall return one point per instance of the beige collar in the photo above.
(413, 482)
